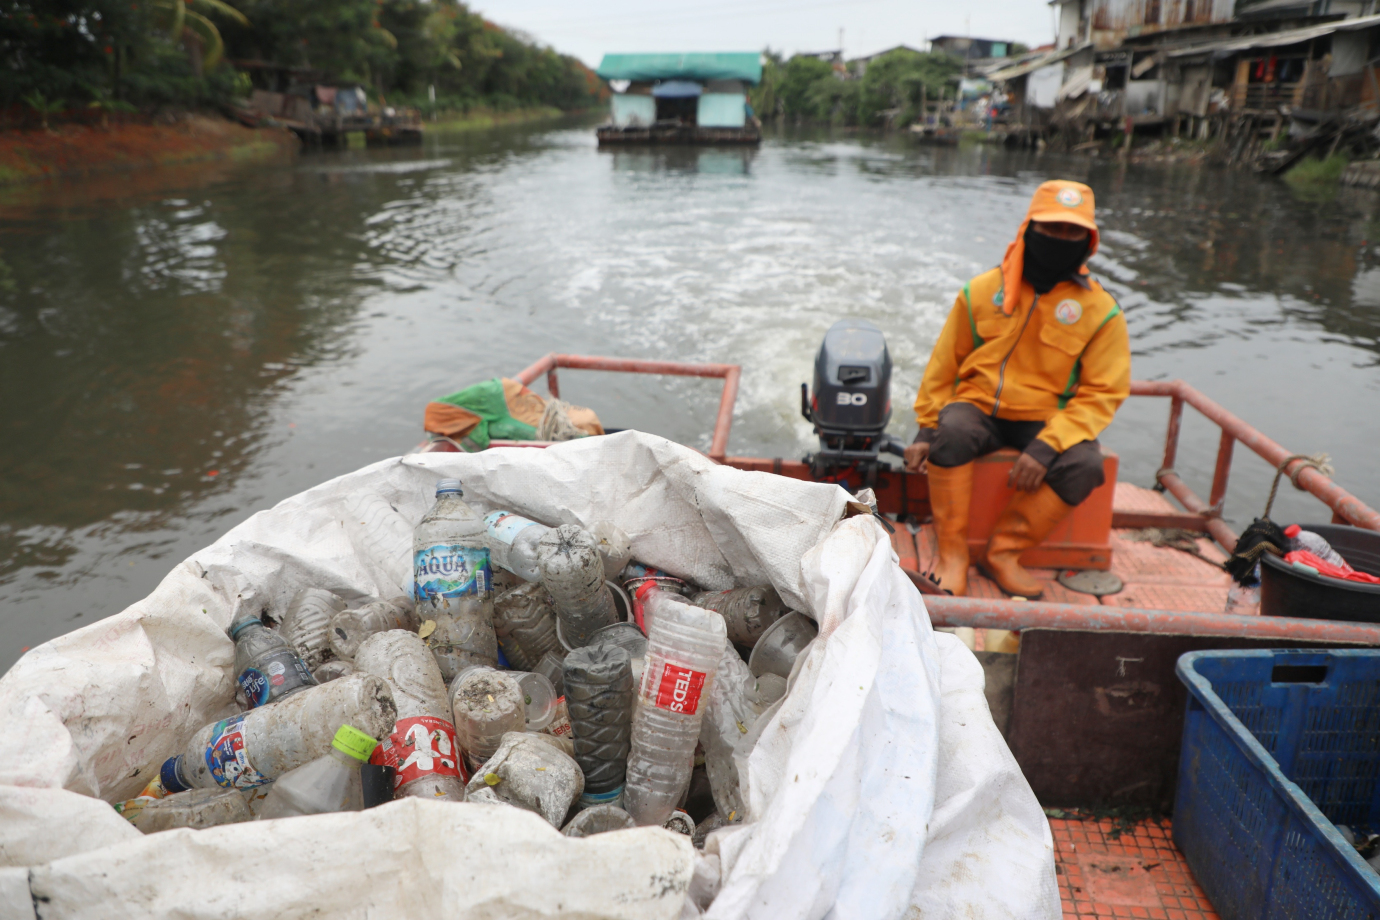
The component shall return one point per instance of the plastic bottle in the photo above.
(258, 746)
(614, 547)
(525, 623)
(746, 611)
(266, 667)
(683, 652)
(1243, 601)
(487, 705)
(195, 808)
(333, 669)
(453, 584)
(513, 541)
(349, 628)
(573, 573)
(323, 785)
(528, 773)
(599, 819)
(599, 697)
(552, 667)
(422, 746)
(729, 712)
(1300, 539)
(306, 625)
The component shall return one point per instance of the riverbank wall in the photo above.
(68, 151)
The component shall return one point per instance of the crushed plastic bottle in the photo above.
(629, 638)
(513, 541)
(746, 611)
(728, 714)
(487, 705)
(552, 667)
(266, 667)
(452, 583)
(1243, 601)
(258, 746)
(614, 547)
(422, 746)
(306, 625)
(561, 743)
(573, 573)
(349, 628)
(600, 819)
(681, 823)
(333, 669)
(323, 785)
(1300, 539)
(599, 697)
(525, 623)
(683, 652)
(529, 774)
(196, 808)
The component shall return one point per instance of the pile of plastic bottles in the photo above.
(534, 667)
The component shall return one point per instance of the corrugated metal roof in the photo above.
(725, 65)
(1278, 39)
(1020, 70)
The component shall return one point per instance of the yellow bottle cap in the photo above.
(352, 741)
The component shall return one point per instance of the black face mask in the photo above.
(1049, 260)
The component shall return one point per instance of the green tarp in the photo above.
(486, 400)
(726, 65)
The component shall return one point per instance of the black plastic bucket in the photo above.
(1287, 592)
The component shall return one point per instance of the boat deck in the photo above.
(1111, 870)
(1156, 577)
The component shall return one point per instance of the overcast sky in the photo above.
(588, 31)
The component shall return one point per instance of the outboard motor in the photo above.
(851, 404)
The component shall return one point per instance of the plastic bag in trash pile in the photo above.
(877, 787)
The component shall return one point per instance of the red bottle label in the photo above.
(421, 746)
(680, 689)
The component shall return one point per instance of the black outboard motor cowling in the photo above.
(851, 403)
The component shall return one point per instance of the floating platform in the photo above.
(685, 135)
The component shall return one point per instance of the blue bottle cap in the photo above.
(171, 775)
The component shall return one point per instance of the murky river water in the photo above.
(180, 350)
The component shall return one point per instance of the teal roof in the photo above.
(726, 65)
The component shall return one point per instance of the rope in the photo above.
(1320, 462)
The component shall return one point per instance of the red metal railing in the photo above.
(730, 373)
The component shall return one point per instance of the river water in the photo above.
(181, 349)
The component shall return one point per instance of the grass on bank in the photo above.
(1315, 173)
(477, 118)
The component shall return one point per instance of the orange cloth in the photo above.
(1058, 200)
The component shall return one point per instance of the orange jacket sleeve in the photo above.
(941, 374)
(1104, 382)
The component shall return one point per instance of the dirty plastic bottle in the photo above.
(196, 808)
(306, 625)
(335, 668)
(260, 745)
(599, 697)
(525, 623)
(452, 583)
(573, 573)
(600, 819)
(513, 541)
(729, 712)
(528, 773)
(422, 746)
(487, 705)
(683, 652)
(349, 628)
(746, 611)
(552, 667)
(266, 667)
(323, 785)
(614, 547)
(1300, 539)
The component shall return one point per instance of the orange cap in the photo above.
(1058, 200)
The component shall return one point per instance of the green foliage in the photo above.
(1317, 180)
(806, 89)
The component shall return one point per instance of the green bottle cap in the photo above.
(352, 741)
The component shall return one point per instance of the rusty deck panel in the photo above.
(1135, 873)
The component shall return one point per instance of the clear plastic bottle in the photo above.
(487, 704)
(513, 541)
(528, 773)
(422, 746)
(306, 625)
(333, 669)
(729, 712)
(452, 583)
(323, 785)
(683, 652)
(260, 745)
(599, 696)
(599, 819)
(525, 622)
(615, 548)
(195, 808)
(746, 611)
(1300, 539)
(349, 628)
(573, 572)
(1243, 600)
(266, 667)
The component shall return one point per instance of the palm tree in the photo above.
(193, 28)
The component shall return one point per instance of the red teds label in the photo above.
(680, 689)
(418, 747)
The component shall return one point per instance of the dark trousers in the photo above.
(965, 433)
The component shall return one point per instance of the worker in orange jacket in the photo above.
(1035, 355)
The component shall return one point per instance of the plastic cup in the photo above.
(781, 644)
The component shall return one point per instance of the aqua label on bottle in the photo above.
(451, 570)
(277, 674)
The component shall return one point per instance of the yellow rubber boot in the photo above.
(951, 491)
(1027, 520)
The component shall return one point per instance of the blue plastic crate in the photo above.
(1279, 747)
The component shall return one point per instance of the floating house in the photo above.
(681, 98)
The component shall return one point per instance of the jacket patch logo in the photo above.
(1068, 312)
(1070, 197)
(998, 300)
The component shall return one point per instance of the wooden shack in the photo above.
(681, 98)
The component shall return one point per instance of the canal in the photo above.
(180, 349)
